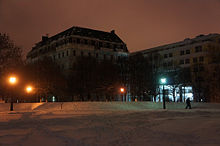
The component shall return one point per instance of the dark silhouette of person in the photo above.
(188, 103)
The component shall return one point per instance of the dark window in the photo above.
(93, 42)
(201, 68)
(170, 54)
(170, 63)
(54, 57)
(195, 60)
(201, 59)
(165, 64)
(165, 55)
(97, 55)
(198, 49)
(187, 61)
(86, 42)
(107, 45)
(195, 69)
(63, 54)
(104, 56)
(89, 54)
(74, 52)
(65, 41)
(187, 51)
(111, 57)
(100, 44)
(78, 41)
(181, 52)
(181, 61)
(59, 55)
(82, 53)
(70, 40)
(119, 57)
(67, 53)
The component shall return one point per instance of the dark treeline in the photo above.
(89, 79)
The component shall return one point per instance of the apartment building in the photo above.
(66, 46)
(193, 54)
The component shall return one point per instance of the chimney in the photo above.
(113, 31)
(45, 38)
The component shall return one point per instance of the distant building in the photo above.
(64, 47)
(189, 53)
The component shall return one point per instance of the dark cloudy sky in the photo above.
(141, 24)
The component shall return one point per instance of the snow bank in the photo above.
(93, 106)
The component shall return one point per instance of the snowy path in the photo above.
(111, 127)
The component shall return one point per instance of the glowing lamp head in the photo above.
(122, 90)
(163, 80)
(12, 80)
(29, 89)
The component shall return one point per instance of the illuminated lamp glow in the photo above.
(12, 80)
(122, 90)
(29, 89)
(163, 80)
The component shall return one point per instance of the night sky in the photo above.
(141, 24)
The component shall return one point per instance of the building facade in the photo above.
(75, 43)
(193, 54)
(66, 46)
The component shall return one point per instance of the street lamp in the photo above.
(12, 81)
(122, 90)
(29, 89)
(163, 81)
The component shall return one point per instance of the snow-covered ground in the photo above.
(109, 123)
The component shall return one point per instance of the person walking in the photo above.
(188, 103)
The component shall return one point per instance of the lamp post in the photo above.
(163, 81)
(122, 90)
(12, 81)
